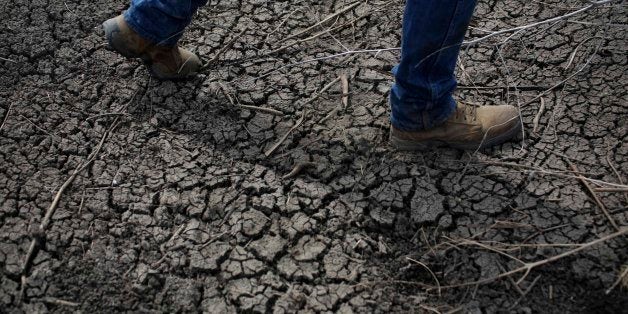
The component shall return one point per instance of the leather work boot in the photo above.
(469, 127)
(164, 63)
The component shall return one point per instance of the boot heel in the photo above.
(112, 33)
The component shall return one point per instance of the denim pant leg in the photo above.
(433, 30)
(161, 21)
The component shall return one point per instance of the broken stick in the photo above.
(298, 168)
(535, 121)
(249, 107)
(595, 197)
(272, 149)
(345, 91)
(345, 99)
(41, 232)
(226, 47)
(527, 267)
(325, 20)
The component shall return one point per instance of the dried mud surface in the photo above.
(181, 210)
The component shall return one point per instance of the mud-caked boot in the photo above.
(470, 127)
(165, 63)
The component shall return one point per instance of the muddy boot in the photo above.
(469, 127)
(165, 63)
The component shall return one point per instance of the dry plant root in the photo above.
(298, 168)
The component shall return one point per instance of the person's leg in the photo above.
(432, 33)
(161, 21)
(424, 113)
(150, 30)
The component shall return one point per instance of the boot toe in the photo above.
(187, 65)
(191, 63)
(509, 116)
(498, 117)
(500, 123)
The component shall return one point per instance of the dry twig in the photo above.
(8, 60)
(41, 232)
(623, 276)
(60, 302)
(526, 292)
(592, 4)
(272, 149)
(214, 239)
(527, 267)
(346, 53)
(619, 177)
(573, 54)
(535, 122)
(429, 270)
(224, 90)
(262, 109)
(325, 20)
(596, 198)
(618, 190)
(298, 168)
(538, 170)
(344, 102)
(6, 116)
(226, 47)
(317, 35)
(345, 91)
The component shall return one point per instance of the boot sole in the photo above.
(409, 145)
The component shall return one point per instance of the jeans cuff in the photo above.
(133, 19)
(420, 116)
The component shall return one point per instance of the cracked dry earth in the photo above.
(182, 211)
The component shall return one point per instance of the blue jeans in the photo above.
(161, 21)
(433, 30)
(421, 97)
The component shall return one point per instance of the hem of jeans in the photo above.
(144, 34)
(443, 115)
(397, 126)
(433, 122)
